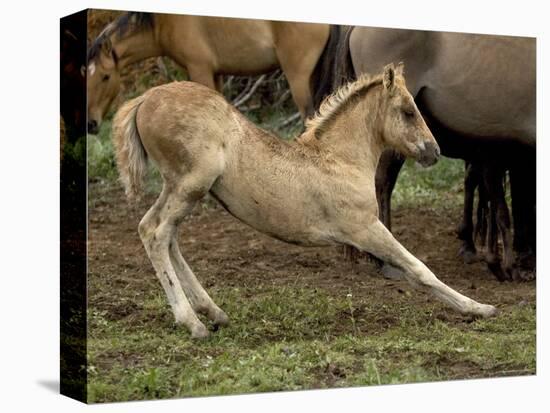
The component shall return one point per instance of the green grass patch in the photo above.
(295, 338)
(440, 185)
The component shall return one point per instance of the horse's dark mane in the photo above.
(130, 21)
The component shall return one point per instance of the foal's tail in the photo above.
(131, 157)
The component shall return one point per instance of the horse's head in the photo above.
(404, 129)
(103, 81)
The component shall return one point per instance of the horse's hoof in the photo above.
(487, 311)
(199, 332)
(220, 320)
(391, 273)
(496, 269)
(513, 274)
(526, 275)
(468, 255)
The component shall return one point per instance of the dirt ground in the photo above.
(225, 252)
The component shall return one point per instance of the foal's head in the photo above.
(103, 81)
(403, 127)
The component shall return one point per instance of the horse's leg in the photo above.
(504, 225)
(202, 74)
(482, 213)
(466, 228)
(523, 191)
(156, 230)
(298, 83)
(387, 172)
(388, 169)
(492, 177)
(298, 68)
(219, 83)
(378, 240)
(199, 298)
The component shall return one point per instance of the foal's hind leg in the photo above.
(377, 240)
(157, 229)
(199, 298)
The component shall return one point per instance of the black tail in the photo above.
(334, 67)
(343, 66)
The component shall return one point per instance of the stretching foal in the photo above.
(315, 191)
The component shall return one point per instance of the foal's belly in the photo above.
(277, 217)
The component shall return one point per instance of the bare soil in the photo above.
(222, 251)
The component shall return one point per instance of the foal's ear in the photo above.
(400, 69)
(389, 76)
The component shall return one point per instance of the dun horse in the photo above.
(207, 47)
(317, 190)
(477, 93)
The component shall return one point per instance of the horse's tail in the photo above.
(333, 65)
(343, 65)
(321, 79)
(131, 157)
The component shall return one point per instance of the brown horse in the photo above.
(475, 92)
(207, 47)
(317, 190)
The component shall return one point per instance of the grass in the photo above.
(440, 185)
(293, 338)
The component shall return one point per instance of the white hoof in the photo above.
(487, 311)
(199, 332)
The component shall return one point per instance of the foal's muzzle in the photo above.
(428, 153)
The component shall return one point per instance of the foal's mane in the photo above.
(130, 22)
(336, 103)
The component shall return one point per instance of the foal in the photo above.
(315, 191)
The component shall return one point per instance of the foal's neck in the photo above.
(136, 46)
(354, 137)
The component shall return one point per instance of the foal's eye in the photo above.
(409, 113)
(105, 78)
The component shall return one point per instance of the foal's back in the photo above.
(200, 142)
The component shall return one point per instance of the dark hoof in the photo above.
(512, 274)
(526, 275)
(468, 256)
(526, 261)
(497, 271)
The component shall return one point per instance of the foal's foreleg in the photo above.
(199, 298)
(377, 240)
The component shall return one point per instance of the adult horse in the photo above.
(475, 92)
(315, 191)
(207, 47)
(72, 76)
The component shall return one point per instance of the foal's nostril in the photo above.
(92, 126)
(429, 153)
